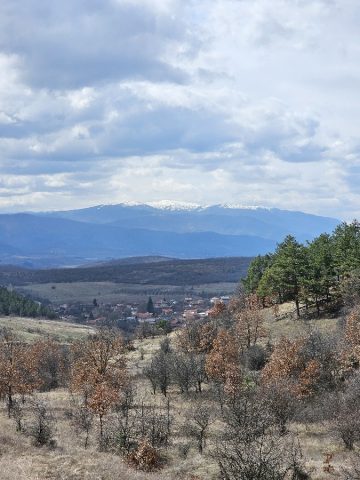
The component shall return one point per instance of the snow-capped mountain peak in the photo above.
(173, 205)
(238, 206)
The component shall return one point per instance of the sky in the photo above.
(253, 102)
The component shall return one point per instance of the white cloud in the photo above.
(210, 101)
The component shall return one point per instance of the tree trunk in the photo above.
(10, 401)
(297, 307)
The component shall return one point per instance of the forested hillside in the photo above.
(167, 272)
(312, 274)
(13, 303)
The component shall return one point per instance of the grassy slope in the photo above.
(31, 329)
(19, 459)
(316, 439)
(286, 324)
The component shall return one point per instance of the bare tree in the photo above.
(155, 423)
(183, 371)
(159, 372)
(251, 447)
(198, 420)
(347, 415)
(282, 403)
(18, 415)
(127, 420)
(82, 419)
(199, 361)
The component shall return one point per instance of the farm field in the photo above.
(110, 292)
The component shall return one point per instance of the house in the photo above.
(146, 317)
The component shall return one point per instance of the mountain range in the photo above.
(177, 230)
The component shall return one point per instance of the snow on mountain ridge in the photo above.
(187, 206)
(174, 205)
(238, 206)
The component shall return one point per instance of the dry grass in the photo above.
(286, 324)
(31, 329)
(21, 460)
(316, 442)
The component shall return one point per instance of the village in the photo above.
(154, 315)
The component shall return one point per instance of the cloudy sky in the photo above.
(206, 101)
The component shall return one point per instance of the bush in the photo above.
(42, 427)
(255, 357)
(145, 457)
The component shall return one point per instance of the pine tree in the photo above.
(150, 306)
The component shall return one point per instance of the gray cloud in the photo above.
(210, 101)
(72, 44)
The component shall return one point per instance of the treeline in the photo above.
(170, 272)
(313, 274)
(13, 303)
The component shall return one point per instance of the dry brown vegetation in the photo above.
(301, 396)
(31, 329)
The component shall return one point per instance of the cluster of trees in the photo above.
(311, 274)
(26, 368)
(256, 389)
(13, 303)
(170, 367)
(102, 405)
(239, 393)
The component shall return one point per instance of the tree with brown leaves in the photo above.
(196, 337)
(18, 368)
(223, 363)
(98, 372)
(288, 363)
(249, 327)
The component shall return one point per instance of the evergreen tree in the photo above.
(13, 303)
(320, 278)
(347, 247)
(150, 306)
(286, 273)
(256, 270)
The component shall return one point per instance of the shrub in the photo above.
(42, 427)
(145, 457)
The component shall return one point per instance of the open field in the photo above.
(21, 460)
(71, 461)
(31, 329)
(110, 292)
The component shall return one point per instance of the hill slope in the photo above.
(270, 223)
(52, 239)
(168, 272)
